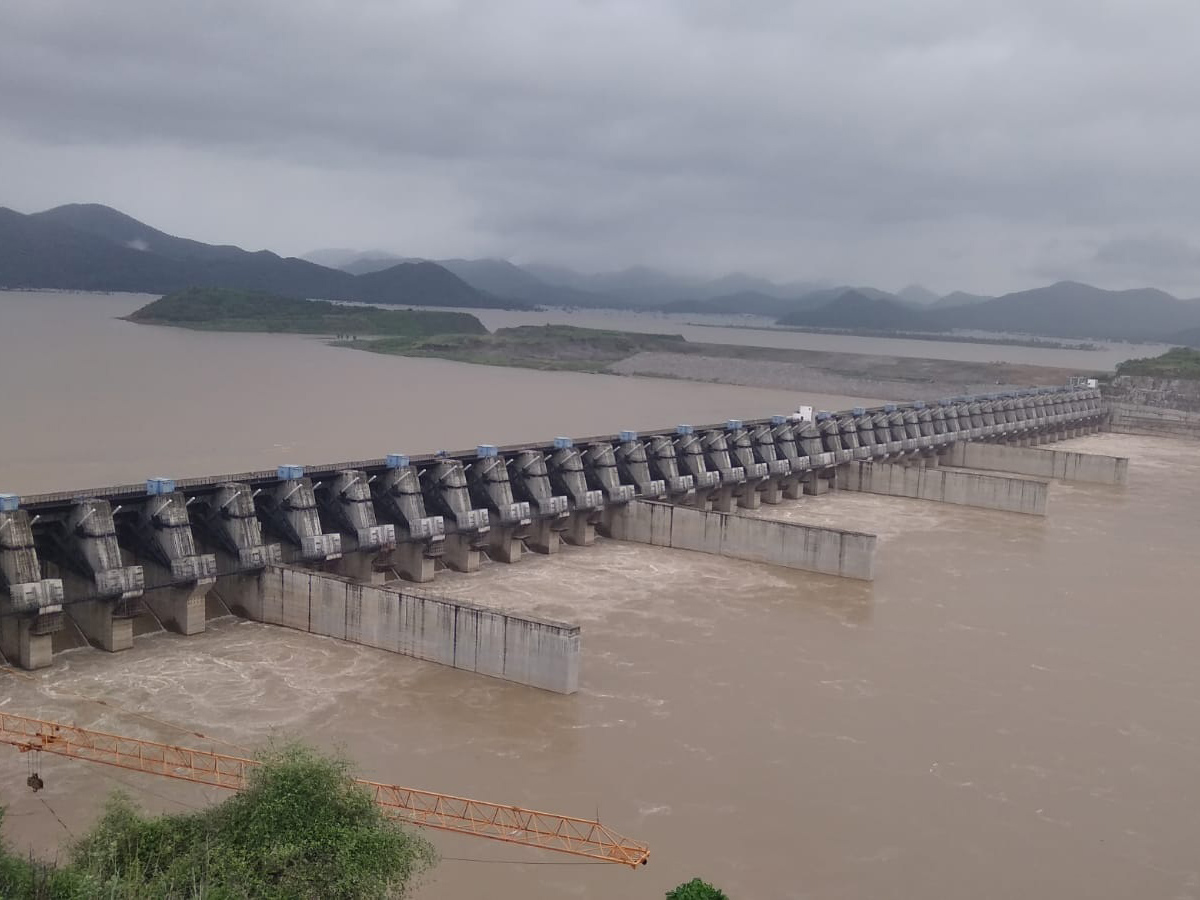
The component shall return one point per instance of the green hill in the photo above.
(215, 309)
(1178, 362)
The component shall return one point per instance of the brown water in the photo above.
(1010, 710)
(89, 400)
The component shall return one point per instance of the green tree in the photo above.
(303, 829)
(696, 890)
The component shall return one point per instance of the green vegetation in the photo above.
(534, 347)
(218, 309)
(697, 890)
(302, 829)
(1178, 362)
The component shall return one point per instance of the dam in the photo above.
(1005, 710)
(353, 550)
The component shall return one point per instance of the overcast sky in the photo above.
(985, 145)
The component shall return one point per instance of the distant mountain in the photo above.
(644, 287)
(91, 247)
(854, 310)
(424, 279)
(738, 283)
(364, 265)
(959, 298)
(41, 253)
(336, 257)
(1188, 338)
(917, 295)
(497, 277)
(747, 303)
(823, 296)
(1071, 309)
(503, 279)
(635, 288)
(118, 228)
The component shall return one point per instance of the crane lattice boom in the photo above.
(511, 824)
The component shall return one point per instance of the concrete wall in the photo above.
(1134, 418)
(830, 551)
(524, 649)
(1020, 495)
(1041, 463)
(1143, 390)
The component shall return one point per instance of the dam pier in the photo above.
(352, 550)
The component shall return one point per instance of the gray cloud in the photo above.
(975, 146)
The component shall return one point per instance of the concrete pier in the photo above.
(1019, 495)
(523, 649)
(413, 563)
(30, 606)
(23, 646)
(466, 529)
(103, 623)
(462, 552)
(181, 609)
(829, 551)
(1061, 464)
(101, 594)
(289, 509)
(181, 577)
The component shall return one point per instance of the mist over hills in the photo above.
(1071, 309)
(959, 298)
(917, 295)
(96, 248)
(856, 310)
(1067, 309)
(1187, 338)
(750, 303)
(638, 287)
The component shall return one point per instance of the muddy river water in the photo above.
(1009, 710)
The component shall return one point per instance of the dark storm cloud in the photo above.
(966, 145)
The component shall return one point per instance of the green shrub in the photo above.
(696, 890)
(303, 829)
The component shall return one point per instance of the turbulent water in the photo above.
(1009, 710)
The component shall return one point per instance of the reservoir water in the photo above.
(755, 331)
(1009, 710)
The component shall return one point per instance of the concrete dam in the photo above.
(352, 550)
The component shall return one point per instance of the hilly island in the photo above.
(216, 309)
(461, 337)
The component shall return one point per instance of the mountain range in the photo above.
(638, 287)
(1067, 309)
(96, 248)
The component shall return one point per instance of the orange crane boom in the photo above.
(511, 824)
